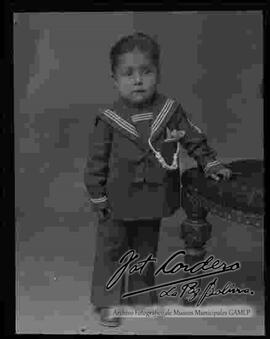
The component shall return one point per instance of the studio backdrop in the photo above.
(212, 62)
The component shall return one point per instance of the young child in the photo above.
(132, 172)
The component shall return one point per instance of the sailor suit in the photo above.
(122, 168)
(131, 169)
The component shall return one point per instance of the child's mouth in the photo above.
(139, 91)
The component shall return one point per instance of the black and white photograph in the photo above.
(139, 172)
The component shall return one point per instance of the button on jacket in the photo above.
(122, 169)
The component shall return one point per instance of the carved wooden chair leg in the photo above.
(196, 231)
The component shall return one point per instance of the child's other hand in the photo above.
(223, 173)
(175, 135)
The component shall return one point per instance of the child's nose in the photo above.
(137, 78)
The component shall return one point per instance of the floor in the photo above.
(54, 265)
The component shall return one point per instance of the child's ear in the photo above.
(114, 80)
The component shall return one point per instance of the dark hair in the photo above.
(139, 40)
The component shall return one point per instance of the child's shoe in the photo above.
(107, 319)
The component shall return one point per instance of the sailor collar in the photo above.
(120, 117)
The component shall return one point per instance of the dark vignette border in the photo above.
(7, 8)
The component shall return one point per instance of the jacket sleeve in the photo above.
(97, 165)
(195, 142)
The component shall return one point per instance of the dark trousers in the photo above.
(114, 238)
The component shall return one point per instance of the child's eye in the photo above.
(147, 71)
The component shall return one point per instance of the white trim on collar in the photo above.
(121, 122)
(138, 117)
(161, 116)
(142, 116)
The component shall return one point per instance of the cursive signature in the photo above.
(211, 266)
(191, 291)
(130, 256)
(228, 288)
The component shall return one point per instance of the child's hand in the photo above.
(103, 210)
(223, 173)
(103, 213)
(175, 135)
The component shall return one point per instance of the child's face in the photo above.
(136, 77)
